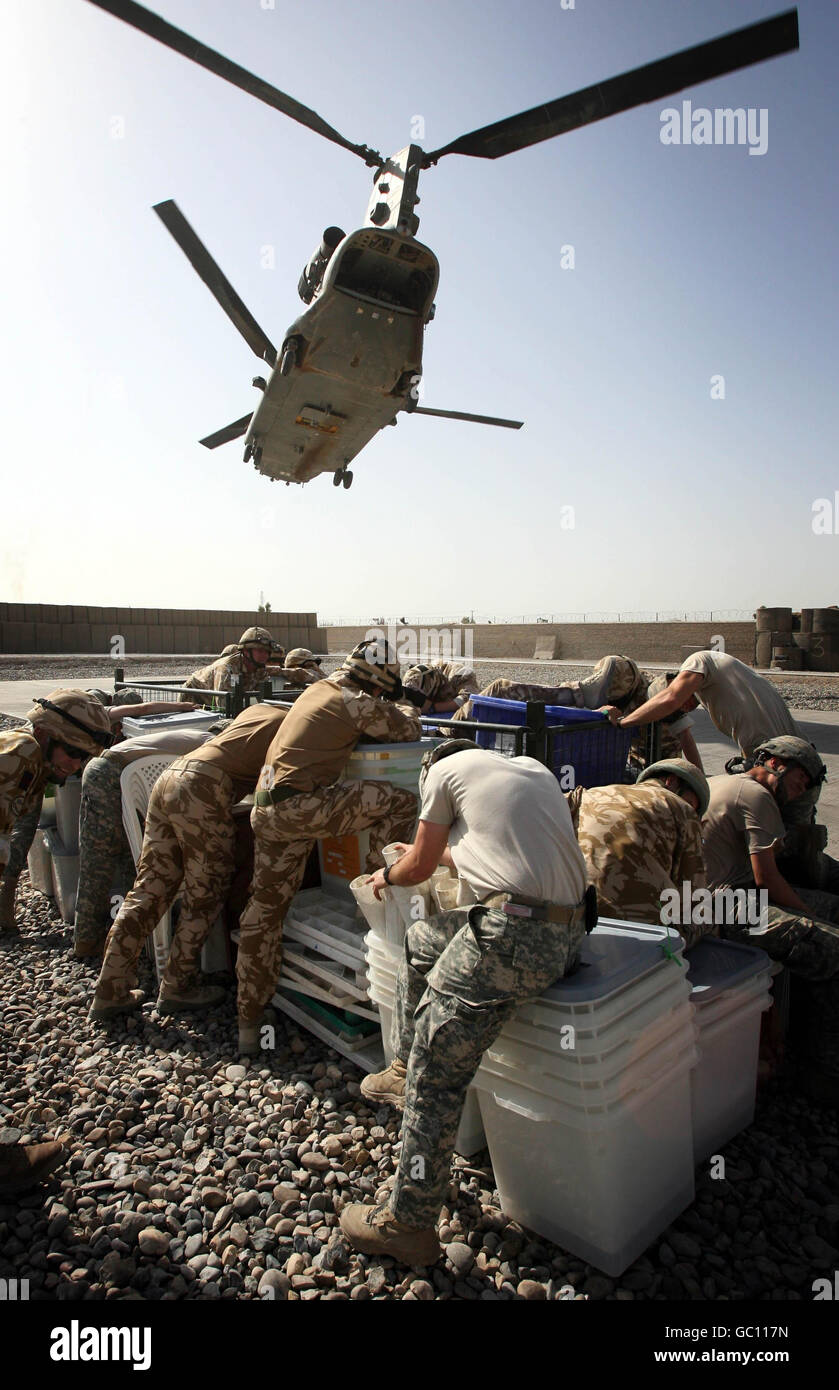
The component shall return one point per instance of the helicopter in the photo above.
(353, 359)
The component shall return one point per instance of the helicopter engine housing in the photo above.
(310, 281)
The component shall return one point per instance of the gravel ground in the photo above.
(194, 1174)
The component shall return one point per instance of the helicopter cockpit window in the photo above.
(387, 282)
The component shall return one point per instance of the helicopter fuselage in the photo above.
(350, 361)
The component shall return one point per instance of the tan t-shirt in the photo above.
(175, 741)
(741, 703)
(510, 826)
(742, 819)
(241, 749)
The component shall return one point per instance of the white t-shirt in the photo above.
(741, 703)
(510, 825)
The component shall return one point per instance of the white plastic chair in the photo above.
(136, 784)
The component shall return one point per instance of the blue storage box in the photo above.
(596, 754)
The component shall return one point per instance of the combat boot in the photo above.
(8, 888)
(108, 1008)
(22, 1165)
(173, 1000)
(387, 1086)
(376, 1231)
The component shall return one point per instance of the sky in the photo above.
(677, 382)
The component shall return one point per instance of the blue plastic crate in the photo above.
(597, 755)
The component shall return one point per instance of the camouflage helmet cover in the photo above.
(301, 656)
(256, 637)
(73, 717)
(794, 750)
(428, 680)
(686, 772)
(373, 663)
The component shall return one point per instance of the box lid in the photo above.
(715, 966)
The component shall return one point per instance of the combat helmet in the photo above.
(372, 666)
(793, 750)
(301, 656)
(444, 749)
(687, 772)
(428, 680)
(255, 637)
(73, 718)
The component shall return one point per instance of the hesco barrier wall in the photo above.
(43, 627)
(662, 643)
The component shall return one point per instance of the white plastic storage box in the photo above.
(40, 866)
(730, 990)
(68, 801)
(157, 723)
(65, 875)
(343, 857)
(602, 1185)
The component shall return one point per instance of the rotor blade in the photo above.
(739, 49)
(229, 432)
(463, 415)
(156, 28)
(215, 280)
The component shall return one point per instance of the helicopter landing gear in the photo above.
(288, 361)
(342, 475)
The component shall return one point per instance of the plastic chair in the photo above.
(136, 784)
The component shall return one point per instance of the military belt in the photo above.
(276, 794)
(517, 906)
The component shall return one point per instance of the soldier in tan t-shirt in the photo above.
(189, 836)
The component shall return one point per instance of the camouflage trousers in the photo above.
(809, 947)
(463, 975)
(20, 841)
(105, 860)
(283, 838)
(189, 838)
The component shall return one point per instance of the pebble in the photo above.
(153, 1242)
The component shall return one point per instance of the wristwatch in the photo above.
(386, 874)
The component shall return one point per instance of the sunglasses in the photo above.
(80, 754)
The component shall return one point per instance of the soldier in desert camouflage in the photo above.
(615, 680)
(248, 664)
(301, 667)
(189, 837)
(63, 731)
(301, 799)
(643, 839)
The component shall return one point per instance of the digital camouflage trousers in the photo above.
(189, 838)
(283, 838)
(463, 975)
(106, 864)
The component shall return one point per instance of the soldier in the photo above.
(443, 686)
(641, 840)
(63, 731)
(511, 841)
(615, 680)
(302, 667)
(104, 854)
(748, 709)
(189, 837)
(300, 800)
(743, 829)
(249, 664)
(675, 737)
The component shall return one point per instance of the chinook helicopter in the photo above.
(353, 359)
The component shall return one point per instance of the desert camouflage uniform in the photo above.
(105, 860)
(221, 674)
(285, 832)
(189, 837)
(638, 841)
(441, 681)
(463, 975)
(616, 680)
(23, 776)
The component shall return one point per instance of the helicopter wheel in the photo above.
(337, 476)
(289, 359)
(347, 478)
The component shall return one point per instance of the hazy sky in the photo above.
(630, 486)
